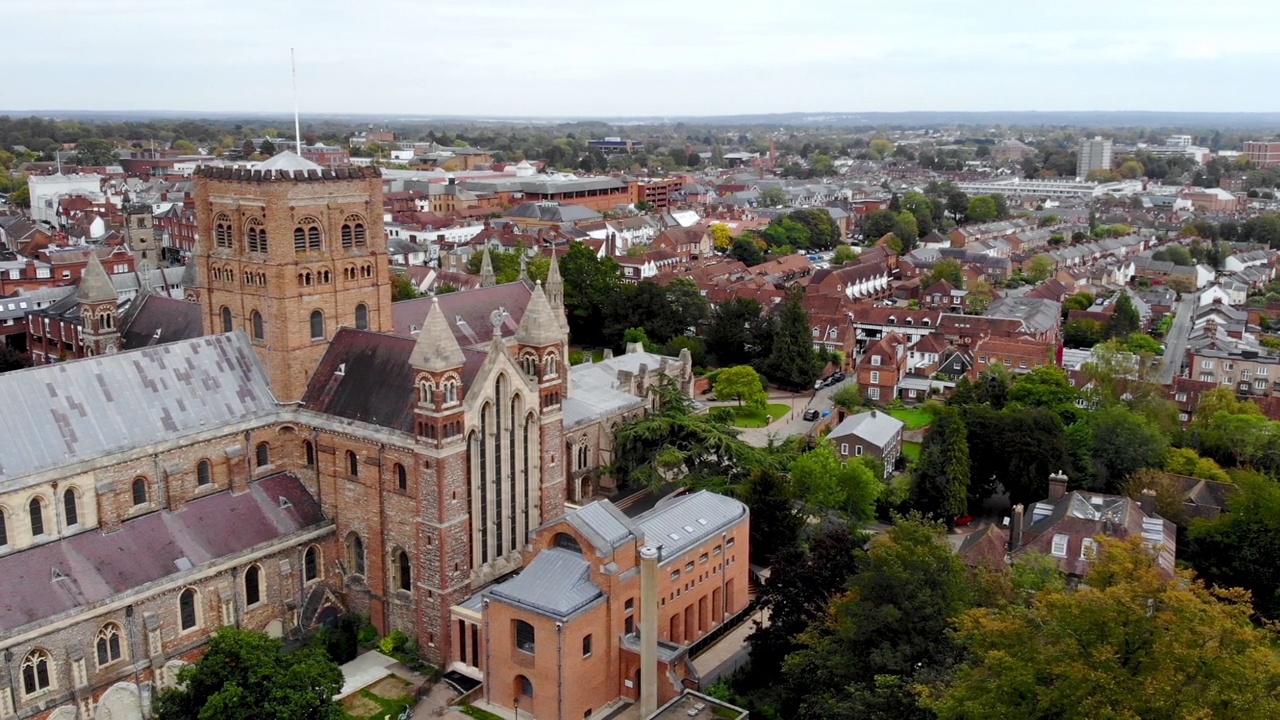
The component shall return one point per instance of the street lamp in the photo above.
(516, 702)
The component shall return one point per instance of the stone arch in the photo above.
(168, 675)
(121, 702)
(66, 712)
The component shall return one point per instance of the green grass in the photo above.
(746, 417)
(388, 707)
(915, 418)
(476, 712)
(911, 450)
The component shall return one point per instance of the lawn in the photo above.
(746, 417)
(911, 450)
(382, 700)
(915, 418)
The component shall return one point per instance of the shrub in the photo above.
(393, 643)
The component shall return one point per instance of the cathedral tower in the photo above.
(289, 252)
(99, 309)
(140, 235)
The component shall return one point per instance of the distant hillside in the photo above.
(1022, 118)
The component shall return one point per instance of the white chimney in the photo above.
(648, 631)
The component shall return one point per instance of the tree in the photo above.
(1017, 448)
(866, 655)
(1080, 301)
(941, 487)
(96, 151)
(880, 148)
(675, 443)
(773, 197)
(741, 383)
(733, 330)
(1047, 386)
(982, 208)
(590, 283)
(825, 483)
(267, 148)
(746, 249)
(922, 209)
(1185, 461)
(821, 165)
(793, 364)
(21, 197)
(1241, 548)
(843, 254)
(958, 205)
(1119, 442)
(185, 146)
(1039, 268)
(775, 523)
(1176, 254)
(878, 224)
(402, 287)
(848, 397)
(1130, 643)
(1083, 333)
(980, 296)
(1002, 205)
(721, 236)
(245, 674)
(1142, 343)
(1263, 229)
(1124, 318)
(11, 359)
(948, 269)
(906, 230)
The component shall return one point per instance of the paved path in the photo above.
(1175, 342)
(365, 670)
(793, 423)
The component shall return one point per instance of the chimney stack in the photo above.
(1148, 502)
(648, 631)
(1015, 528)
(1057, 486)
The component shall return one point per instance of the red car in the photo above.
(963, 520)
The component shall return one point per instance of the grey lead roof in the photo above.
(680, 523)
(56, 415)
(877, 427)
(603, 524)
(557, 582)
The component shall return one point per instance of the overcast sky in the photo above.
(641, 57)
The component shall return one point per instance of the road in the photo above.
(1175, 342)
(793, 423)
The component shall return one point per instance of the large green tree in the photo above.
(1130, 643)
(775, 518)
(1118, 443)
(741, 383)
(1241, 548)
(733, 331)
(941, 483)
(245, 675)
(865, 656)
(96, 151)
(1017, 448)
(878, 224)
(1124, 318)
(982, 208)
(792, 363)
(827, 484)
(590, 283)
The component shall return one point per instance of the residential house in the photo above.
(875, 433)
(882, 366)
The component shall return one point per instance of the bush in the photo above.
(368, 633)
(577, 357)
(393, 643)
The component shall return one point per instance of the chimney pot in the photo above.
(1147, 502)
(1015, 528)
(1057, 486)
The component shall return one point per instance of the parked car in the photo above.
(838, 377)
(811, 415)
(963, 520)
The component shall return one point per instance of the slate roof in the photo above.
(155, 320)
(365, 376)
(467, 312)
(95, 566)
(874, 427)
(557, 582)
(679, 523)
(60, 414)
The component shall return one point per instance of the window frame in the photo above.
(524, 637)
(1061, 543)
(140, 482)
(106, 641)
(188, 603)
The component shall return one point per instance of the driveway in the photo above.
(793, 423)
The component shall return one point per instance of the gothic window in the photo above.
(262, 454)
(139, 491)
(360, 234)
(71, 507)
(35, 672)
(36, 510)
(187, 616)
(310, 451)
(4, 527)
(355, 554)
(552, 364)
(425, 391)
(525, 638)
(255, 322)
(362, 317)
(450, 392)
(529, 363)
(353, 233)
(226, 319)
(584, 453)
(311, 564)
(353, 464)
(347, 238)
(108, 644)
(256, 236)
(401, 568)
(317, 325)
(252, 585)
(402, 477)
(204, 473)
(307, 236)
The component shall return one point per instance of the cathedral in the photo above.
(308, 448)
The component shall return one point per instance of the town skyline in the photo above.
(567, 59)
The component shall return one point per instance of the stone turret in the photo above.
(487, 277)
(555, 292)
(99, 306)
(540, 325)
(436, 349)
(437, 362)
